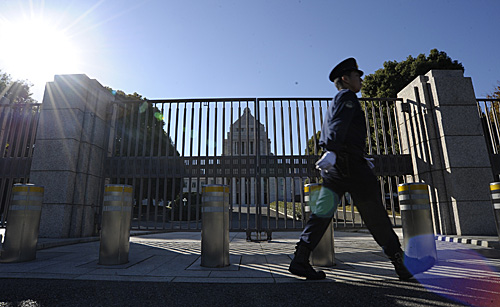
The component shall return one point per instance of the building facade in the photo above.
(246, 137)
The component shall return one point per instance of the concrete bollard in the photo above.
(115, 229)
(23, 224)
(324, 253)
(495, 200)
(418, 232)
(215, 226)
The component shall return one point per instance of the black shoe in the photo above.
(406, 267)
(300, 265)
(398, 261)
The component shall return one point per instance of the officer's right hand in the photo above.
(327, 161)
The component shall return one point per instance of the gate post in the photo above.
(324, 253)
(116, 217)
(441, 130)
(71, 147)
(215, 226)
(418, 233)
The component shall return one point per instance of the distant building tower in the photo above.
(243, 139)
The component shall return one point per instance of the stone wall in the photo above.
(71, 145)
(441, 129)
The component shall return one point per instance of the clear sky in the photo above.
(233, 48)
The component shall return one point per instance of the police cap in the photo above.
(343, 67)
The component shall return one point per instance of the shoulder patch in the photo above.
(349, 104)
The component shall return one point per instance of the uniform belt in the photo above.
(352, 152)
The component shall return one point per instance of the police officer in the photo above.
(344, 169)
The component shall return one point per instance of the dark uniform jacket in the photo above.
(344, 128)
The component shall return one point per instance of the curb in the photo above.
(476, 242)
(50, 243)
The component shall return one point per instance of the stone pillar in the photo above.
(71, 146)
(441, 130)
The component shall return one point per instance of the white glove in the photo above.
(327, 161)
(370, 162)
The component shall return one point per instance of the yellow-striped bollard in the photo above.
(215, 226)
(115, 229)
(23, 223)
(324, 253)
(495, 200)
(418, 232)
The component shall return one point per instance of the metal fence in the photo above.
(264, 149)
(489, 112)
(18, 124)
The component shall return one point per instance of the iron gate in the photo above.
(264, 149)
(18, 124)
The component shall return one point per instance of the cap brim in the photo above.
(333, 77)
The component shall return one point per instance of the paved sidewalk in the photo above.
(463, 272)
(175, 257)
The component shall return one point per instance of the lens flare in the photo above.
(143, 107)
(37, 48)
(158, 116)
(324, 202)
(464, 275)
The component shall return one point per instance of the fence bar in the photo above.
(239, 179)
(257, 179)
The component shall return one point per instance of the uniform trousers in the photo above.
(353, 174)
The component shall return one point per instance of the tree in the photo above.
(388, 81)
(140, 128)
(496, 92)
(312, 143)
(393, 77)
(17, 91)
(140, 133)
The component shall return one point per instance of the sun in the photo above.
(36, 50)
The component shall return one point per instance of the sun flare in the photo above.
(36, 50)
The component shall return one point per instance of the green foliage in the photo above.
(17, 91)
(388, 81)
(289, 208)
(313, 147)
(496, 92)
(140, 133)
